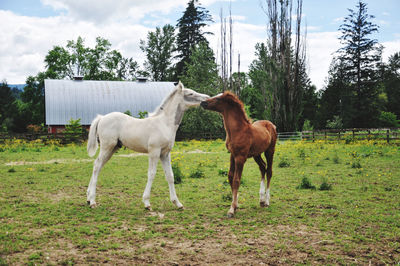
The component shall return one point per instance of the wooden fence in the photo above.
(348, 135)
(63, 138)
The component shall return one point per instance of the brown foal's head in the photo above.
(225, 101)
(216, 103)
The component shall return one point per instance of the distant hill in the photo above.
(18, 86)
(17, 89)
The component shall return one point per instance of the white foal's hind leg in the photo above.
(169, 176)
(151, 172)
(104, 155)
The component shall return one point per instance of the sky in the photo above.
(30, 28)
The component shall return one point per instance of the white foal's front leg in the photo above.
(151, 172)
(169, 176)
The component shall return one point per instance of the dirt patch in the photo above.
(272, 245)
(56, 161)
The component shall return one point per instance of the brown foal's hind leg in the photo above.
(261, 165)
(269, 154)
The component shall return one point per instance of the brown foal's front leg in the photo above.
(239, 163)
(231, 170)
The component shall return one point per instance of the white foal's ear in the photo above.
(180, 85)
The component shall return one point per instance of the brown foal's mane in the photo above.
(233, 100)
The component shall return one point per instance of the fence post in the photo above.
(313, 136)
(387, 136)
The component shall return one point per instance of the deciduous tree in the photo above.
(159, 49)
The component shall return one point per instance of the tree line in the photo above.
(361, 90)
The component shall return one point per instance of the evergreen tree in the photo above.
(190, 33)
(360, 58)
(8, 108)
(336, 98)
(391, 82)
(159, 50)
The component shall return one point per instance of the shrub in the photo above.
(356, 164)
(143, 114)
(128, 112)
(73, 130)
(222, 172)
(325, 186)
(302, 154)
(178, 175)
(284, 162)
(306, 184)
(227, 197)
(198, 173)
(335, 123)
(335, 159)
(388, 119)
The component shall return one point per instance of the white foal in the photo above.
(154, 135)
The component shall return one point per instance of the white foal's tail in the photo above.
(92, 140)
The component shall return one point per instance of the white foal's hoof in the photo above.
(148, 208)
(177, 204)
(230, 215)
(263, 204)
(93, 205)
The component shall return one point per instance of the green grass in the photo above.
(354, 219)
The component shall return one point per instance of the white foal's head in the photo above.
(190, 97)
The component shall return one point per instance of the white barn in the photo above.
(84, 99)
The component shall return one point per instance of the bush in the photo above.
(325, 186)
(227, 197)
(178, 175)
(74, 130)
(335, 159)
(356, 164)
(284, 162)
(335, 123)
(222, 172)
(388, 119)
(198, 173)
(306, 184)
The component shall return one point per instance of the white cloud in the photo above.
(390, 48)
(245, 37)
(25, 41)
(320, 49)
(103, 11)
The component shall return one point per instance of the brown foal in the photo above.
(244, 139)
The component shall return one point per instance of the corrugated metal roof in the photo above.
(66, 99)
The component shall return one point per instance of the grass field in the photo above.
(351, 216)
